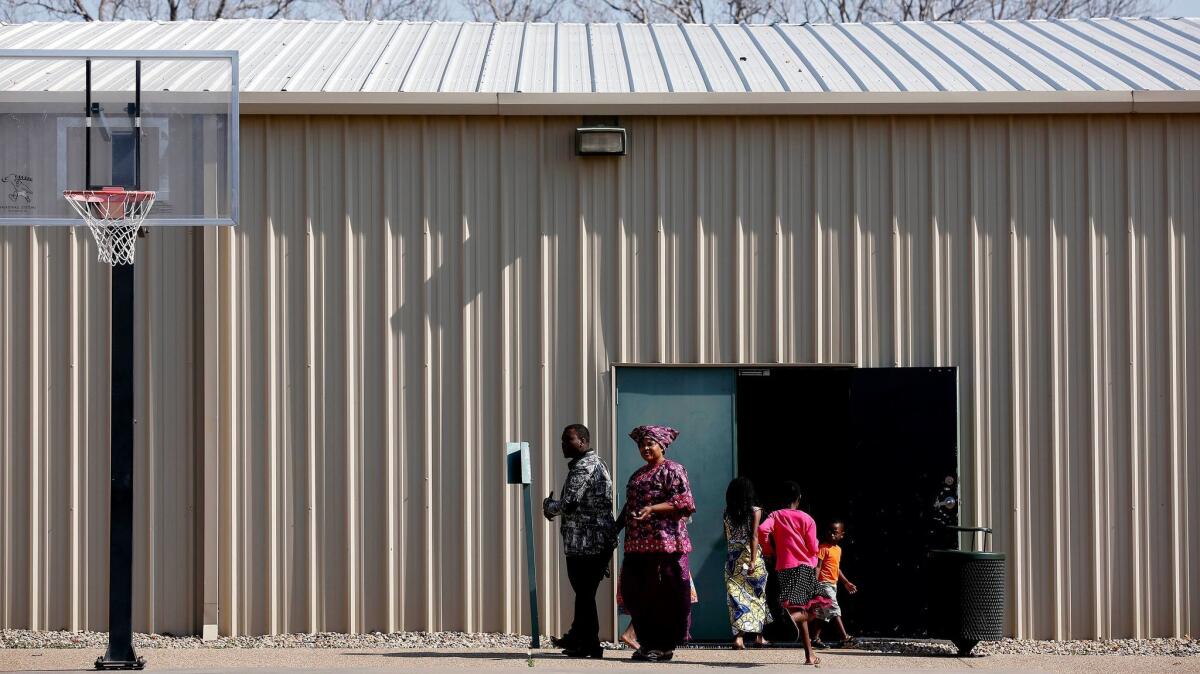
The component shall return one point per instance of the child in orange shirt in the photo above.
(829, 572)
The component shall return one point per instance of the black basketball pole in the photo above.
(120, 653)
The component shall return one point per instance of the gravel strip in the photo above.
(462, 640)
(398, 640)
(1161, 647)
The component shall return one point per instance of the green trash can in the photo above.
(967, 595)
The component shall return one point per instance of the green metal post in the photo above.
(531, 564)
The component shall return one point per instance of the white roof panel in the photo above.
(784, 60)
(683, 73)
(573, 63)
(361, 58)
(747, 57)
(500, 65)
(719, 68)
(642, 59)
(429, 64)
(843, 45)
(537, 59)
(608, 58)
(826, 64)
(1077, 55)
(466, 63)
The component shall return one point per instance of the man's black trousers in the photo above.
(585, 573)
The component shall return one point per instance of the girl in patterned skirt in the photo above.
(790, 536)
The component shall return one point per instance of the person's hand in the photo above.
(851, 587)
(546, 505)
(642, 514)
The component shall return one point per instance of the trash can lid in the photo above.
(966, 555)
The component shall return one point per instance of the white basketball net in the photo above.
(114, 217)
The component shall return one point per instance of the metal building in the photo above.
(424, 269)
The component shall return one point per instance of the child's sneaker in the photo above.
(818, 644)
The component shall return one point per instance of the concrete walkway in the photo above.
(269, 661)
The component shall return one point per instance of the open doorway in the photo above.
(873, 447)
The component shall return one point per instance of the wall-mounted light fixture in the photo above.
(600, 137)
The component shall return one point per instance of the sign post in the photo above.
(520, 473)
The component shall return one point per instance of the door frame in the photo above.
(612, 415)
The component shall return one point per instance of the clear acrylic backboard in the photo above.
(183, 146)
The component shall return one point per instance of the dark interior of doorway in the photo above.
(873, 447)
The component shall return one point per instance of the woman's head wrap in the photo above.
(663, 435)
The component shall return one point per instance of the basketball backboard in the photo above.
(164, 121)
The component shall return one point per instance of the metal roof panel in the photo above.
(1088, 56)
(503, 59)
(466, 63)
(537, 59)
(361, 58)
(608, 62)
(718, 66)
(642, 59)
(573, 62)
(787, 64)
(747, 55)
(683, 72)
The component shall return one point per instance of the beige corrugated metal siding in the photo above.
(405, 293)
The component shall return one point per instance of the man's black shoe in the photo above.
(564, 642)
(594, 652)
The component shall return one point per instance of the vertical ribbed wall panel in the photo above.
(404, 294)
(54, 388)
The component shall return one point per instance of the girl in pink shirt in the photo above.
(790, 536)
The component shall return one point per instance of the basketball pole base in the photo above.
(104, 663)
(120, 654)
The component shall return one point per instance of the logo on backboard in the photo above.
(19, 187)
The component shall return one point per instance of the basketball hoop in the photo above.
(114, 215)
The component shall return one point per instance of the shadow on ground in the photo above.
(617, 657)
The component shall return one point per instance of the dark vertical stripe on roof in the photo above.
(554, 55)
(908, 57)
(732, 59)
(450, 56)
(1010, 54)
(662, 62)
(625, 56)
(487, 53)
(416, 52)
(695, 57)
(871, 55)
(520, 56)
(803, 59)
(837, 57)
(587, 27)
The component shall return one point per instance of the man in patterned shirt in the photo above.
(588, 536)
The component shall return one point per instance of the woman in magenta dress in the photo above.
(655, 580)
